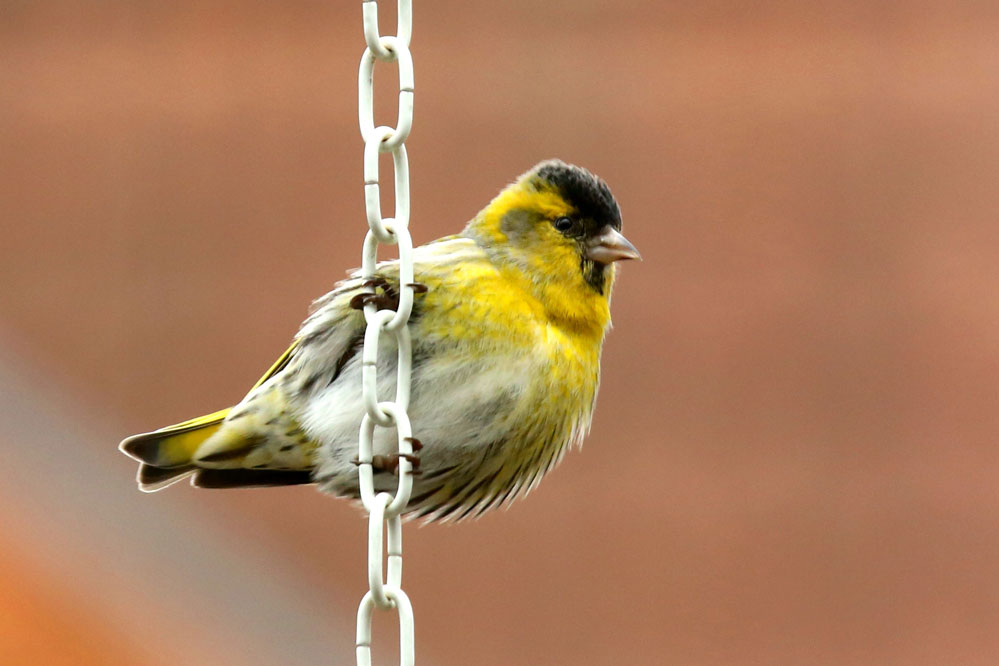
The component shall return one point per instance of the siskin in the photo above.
(506, 363)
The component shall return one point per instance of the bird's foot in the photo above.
(388, 299)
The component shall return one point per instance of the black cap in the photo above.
(586, 192)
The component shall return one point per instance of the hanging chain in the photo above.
(384, 509)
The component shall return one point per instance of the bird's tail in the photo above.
(167, 454)
(175, 452)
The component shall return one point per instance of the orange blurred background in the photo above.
(794, 454)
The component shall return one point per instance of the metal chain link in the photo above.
(385, 509)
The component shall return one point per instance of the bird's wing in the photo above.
(260, 441)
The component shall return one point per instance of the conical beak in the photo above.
(609, 246)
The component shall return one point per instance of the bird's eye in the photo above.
(563, 224)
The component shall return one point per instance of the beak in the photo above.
(609, 246)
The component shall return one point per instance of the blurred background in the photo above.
(794, 455)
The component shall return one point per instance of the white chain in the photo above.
(385, 508)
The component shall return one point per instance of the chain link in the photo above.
(385, 509)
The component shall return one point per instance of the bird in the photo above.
(507, 326)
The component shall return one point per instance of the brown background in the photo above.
(794, 456)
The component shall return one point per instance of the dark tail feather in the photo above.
(154, 478)
(248, 478)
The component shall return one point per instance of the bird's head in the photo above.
(561, 226)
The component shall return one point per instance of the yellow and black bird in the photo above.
(506, 363)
